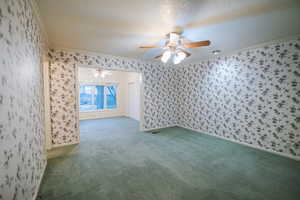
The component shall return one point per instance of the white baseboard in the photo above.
(62, 145)
(242, 143)
(161, 127)
(40, 182)
(99, 115)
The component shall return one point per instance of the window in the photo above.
(98, 97)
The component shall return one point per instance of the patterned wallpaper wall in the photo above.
(251, 97)
(22, 155)
(159, 83)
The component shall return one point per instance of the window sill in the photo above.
(104, 110)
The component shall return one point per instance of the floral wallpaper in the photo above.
(22, 154)
(159, 83)
(252, 97)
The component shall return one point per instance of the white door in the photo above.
(133, 101)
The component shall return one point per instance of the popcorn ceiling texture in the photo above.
(22, 143)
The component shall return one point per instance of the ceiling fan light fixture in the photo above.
(176, 60)
(166, 56)
(96, 74)
(216, 52)
(175, 47)
(179, 56)
(101, 73)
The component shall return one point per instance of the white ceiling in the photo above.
(119, 27)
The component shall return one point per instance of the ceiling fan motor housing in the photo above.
(174, 39)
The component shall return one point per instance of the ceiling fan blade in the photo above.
(197, 44)
(149, 47)
(187, 53)
(158, 56)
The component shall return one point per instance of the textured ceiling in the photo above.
(119, 27)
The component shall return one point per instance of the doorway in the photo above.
(133, 101)
(104, 94)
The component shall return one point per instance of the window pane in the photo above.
(87, 97)
(97, 97)
(111, 96)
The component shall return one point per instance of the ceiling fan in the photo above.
(176, 48)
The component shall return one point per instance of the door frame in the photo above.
(47, 111)
(142, 120)
(134, 83)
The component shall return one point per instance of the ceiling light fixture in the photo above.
(175, 42)
(96, 74)
(102, 73)
(179, 56)
(216, 52)
(166, 56)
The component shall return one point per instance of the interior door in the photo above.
(133, 101)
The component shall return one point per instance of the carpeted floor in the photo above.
(117, 162)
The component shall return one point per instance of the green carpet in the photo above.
(115, 161)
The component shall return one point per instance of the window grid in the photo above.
(97, 97)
